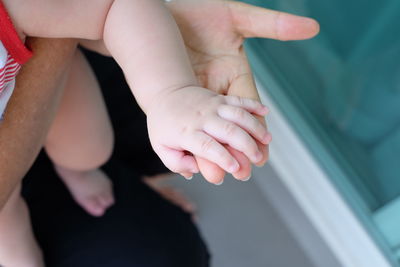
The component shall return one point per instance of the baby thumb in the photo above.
(178, 161)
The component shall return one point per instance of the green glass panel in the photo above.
(341, 92)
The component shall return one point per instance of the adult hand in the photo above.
(214, 32)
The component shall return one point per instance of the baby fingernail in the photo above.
(189, 178)
(246, 179)
(259, 164)
(219, 183)
(234, 167)
(258, 156)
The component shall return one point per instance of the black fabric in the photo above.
(132, 144)
(141, 229)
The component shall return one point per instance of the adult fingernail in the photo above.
(267, 138)
(265, 110)
(189, 178)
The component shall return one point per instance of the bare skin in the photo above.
(163, 88)
(16, 232)
(219, 63)
(31, 110)
(214, 32)
(30, 113)
(81, 139)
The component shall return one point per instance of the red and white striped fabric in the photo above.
(13, 54)
(8, 71)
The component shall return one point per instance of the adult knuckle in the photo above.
(278, 27)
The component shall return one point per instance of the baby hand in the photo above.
(196, 121)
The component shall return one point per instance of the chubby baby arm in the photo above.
(144, 39)
(59, 18)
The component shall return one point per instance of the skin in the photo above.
(174, 98)
(31, 110)
(211, 46)
(160, 77)
(214, 33)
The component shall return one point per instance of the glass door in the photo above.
(345, 86)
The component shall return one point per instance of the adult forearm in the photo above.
(31, 110)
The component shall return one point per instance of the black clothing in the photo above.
(141, 229)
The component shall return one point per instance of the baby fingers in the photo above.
(203, 145)
(229, 133)
(246, 121)
(177, 161)
(252, 106)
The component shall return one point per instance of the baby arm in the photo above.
(144, 39)
(140, 34)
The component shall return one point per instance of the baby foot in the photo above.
(18, 247)
(92, 189)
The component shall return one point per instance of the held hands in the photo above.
(199, 121)
(214, 32)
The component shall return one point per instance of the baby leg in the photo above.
(81, 139)
(18, 247)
